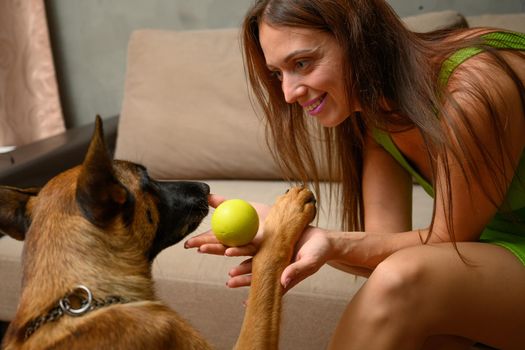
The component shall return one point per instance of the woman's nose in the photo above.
(292, 88)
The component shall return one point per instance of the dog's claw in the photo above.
(312, 200)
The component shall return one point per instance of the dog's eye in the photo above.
(149, 216)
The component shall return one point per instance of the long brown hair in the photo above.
(383, 61)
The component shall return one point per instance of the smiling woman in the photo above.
(307, 64)
(446, 108)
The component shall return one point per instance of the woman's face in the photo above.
(309, 64)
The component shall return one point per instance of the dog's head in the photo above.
(115, 201)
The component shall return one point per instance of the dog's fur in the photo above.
(101, 224)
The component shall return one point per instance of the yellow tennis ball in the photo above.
(235, 222)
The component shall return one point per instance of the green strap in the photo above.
(503, 40)
(498, 40)
(385, 140)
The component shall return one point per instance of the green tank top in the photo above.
(511, 221)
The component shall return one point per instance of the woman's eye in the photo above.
(302, 64)
(277, 74)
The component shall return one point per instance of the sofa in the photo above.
(186, 114)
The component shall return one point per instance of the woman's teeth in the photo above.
(315, 104)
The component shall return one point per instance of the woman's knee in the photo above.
(398, 283)
(388, 303)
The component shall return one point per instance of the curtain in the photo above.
(29, 100)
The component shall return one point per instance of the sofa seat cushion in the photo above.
(193, 284)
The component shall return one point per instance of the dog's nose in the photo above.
(185, 189)
(205, 187)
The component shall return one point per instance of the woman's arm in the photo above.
(488, 137)
(387, 191)
(387, 186)
(487, 97)
(387, 202)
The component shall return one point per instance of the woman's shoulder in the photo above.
(486, 57)
(484, 86)
(489, 70)
(483, 50)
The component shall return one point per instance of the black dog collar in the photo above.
(80, 295)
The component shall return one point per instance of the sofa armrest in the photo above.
(32, 165)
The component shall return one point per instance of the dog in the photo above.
(90, 236)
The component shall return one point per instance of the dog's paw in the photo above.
(290, 214)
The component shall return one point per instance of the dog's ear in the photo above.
(99, 193)
(14, 211)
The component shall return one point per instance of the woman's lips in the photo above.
(315, 106)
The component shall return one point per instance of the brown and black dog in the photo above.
(91, 234)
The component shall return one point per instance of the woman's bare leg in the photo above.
(427, 292)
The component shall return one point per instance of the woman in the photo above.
(446, 108)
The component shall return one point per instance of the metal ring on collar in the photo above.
(85, 305)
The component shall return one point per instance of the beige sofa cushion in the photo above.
(186, 112)
(512, 21)
(194, 284)
(427, 22)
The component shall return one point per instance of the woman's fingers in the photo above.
(215, 249)
(242, 269)
(206, 243)
(240, 275)
(298, 271)
(245, 250)
(214, 200)
(239, 281)
(204, 238)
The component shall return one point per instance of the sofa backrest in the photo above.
(186, 113)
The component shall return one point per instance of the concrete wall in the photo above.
(90, 39)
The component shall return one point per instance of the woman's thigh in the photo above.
(481, 298)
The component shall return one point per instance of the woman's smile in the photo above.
(309, 65)
(315, 106)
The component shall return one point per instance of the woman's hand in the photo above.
(313, 250)
(206, 242)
